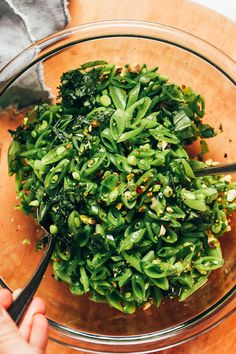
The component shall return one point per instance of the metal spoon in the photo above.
(19, 306)
(216, 170)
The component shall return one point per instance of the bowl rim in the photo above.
(133, 27)
(43, 43)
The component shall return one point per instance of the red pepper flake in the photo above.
(139, 190)
(58, 259)
(67, 146)
(183, 87)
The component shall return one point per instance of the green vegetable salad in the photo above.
(106, 171)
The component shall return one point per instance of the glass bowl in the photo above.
(185, 59)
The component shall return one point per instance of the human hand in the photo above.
(32, 334)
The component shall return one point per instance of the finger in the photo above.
(39, 333)
(37, 306)
(9, 335)
(5, 298)
(16, 293)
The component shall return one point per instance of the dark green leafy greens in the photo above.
(105, 169)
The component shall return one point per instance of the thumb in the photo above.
(10, 338)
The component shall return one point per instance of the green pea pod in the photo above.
(131, 238)
(182, 153)
(131, 109)
(18, 179)
(185, 249)
(170, 236)
(58, 153)
(159, 159)
(167, 252)
(93, 164)
(30, 153)
(207, 263)
(85, 235)
(197, 165)
(120, 162)
(118, 123)
(143, 153)
(143, 108)
(198, 105)
(197, 285)
(74, 223)
(84, 279)
(191, 201)
(163, 134)
(76, 289)
(118, 96)
(108, 141)
(56, 174)
(185, 281)
(162, 283)
(64, 253)
(181, 121)
(14, 150)
(153, 236)
(147, 77)
(144, 164)
(110, 182)
(133, 95)
(114, 219)
(41, 139)
(130, 134)
(129, 202)
(149, 257)
(99, 274)
(61, 273)
(210, 194)
(114, 300)
(96, 111)
(158, 206)
(92, 64)
(159, 270)
(124, 277)
(173, 92)
(102, 287)
(72, 266)
(216, 251)
(98, 260)
(148, 122)
(138, 286)
(146, 180)
(133, 261)
(156, 296)
(187, 169)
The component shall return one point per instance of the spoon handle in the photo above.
(216, 170)
(18, 307)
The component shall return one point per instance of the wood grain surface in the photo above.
(206, 24)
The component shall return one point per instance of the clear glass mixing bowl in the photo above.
(185, 59)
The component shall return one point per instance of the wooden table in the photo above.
(206, 24)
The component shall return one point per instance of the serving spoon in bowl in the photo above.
(21, 303)
(216, 170)
(19, 306)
